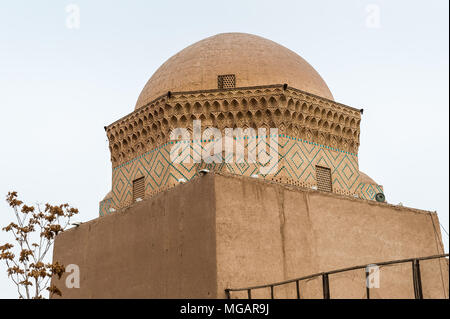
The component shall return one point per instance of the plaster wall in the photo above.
(225, 231)
(278, 233)
(163, 247)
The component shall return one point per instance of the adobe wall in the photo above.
(158, 248)
(222, 231)
(275, 233)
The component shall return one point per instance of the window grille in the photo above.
(323, 176)
(226, 81)
(138, 189)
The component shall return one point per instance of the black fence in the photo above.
(416, 278)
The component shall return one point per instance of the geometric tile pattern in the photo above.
(300, 158)
(297, 160)
(294, 112)
(368, 191)
(105, 206)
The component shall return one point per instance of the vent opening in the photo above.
(138, 189)
(226, 81)
(323, 177)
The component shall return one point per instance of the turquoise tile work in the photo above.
(368, 191)
(296, 163)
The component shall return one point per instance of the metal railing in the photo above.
(415, 262)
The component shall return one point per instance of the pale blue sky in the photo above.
(60, 86)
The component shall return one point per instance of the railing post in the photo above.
(326, 286)
(271, 292)
(417, 280)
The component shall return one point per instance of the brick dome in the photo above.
(252, 59)
(365, 179)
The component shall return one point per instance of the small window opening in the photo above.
(138, 189)
(323, 177)
(226, 81)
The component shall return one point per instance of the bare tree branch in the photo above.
(27, 268)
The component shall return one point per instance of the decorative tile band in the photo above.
(296, 165)
(369, 191)
(249, 137)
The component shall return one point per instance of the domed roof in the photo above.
(252, 59)
(365, 179)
